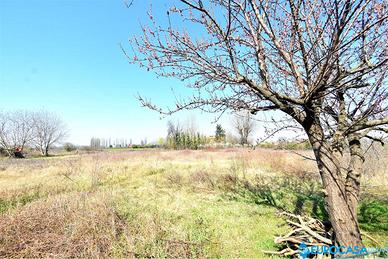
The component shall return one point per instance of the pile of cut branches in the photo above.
(309, 231)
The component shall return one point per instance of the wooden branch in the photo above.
(366, 125)
(311, 232)
(306, 233)
(287, 252)
(371, 238)
(285, 55)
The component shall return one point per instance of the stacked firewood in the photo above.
(305, 230)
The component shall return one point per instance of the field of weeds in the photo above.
(208, 203)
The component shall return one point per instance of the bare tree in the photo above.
(48, 130)
(95, 143)
(5, 142)
(244, 126)
(190, 125)
(322, 63)
(16, 130)
(171, 129)
(3, 132)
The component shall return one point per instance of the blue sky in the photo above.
(63, 56)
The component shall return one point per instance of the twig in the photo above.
(286, 251)
(372, 239)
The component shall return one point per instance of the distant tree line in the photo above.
(186, 136)
(99, 143)
(180, 138)
(285, 144)
(39, 130)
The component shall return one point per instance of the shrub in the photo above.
(373, 215)
(69, 147)
(286, 145)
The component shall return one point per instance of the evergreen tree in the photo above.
(220, 133)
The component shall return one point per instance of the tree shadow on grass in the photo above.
(304, 196)
(288, 193)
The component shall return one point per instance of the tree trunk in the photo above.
(341, 209)
(355, 170)
(46, 151)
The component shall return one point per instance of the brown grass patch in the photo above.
(174, 179)
(63, 227)
(202, 177)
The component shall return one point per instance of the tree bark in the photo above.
(352, 184)
(340, 208)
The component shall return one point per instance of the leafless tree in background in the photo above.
(49, 130)
(244, 125)
(190, 125)
(16, 130)
(3, 130)
(322, 63)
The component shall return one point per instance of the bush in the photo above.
(135, 146)
(373, 215)
(69, 147)
(287, 145)
(2, 152)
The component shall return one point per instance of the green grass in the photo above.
(210, 226)
(373, 216)
(19, 200)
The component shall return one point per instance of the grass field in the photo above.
(156, 203)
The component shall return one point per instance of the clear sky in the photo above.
(63, 56)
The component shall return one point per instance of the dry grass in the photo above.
(212, 203)
(80, 226)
